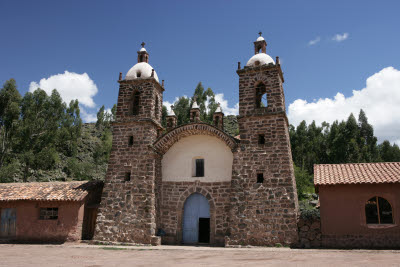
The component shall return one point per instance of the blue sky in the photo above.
(192, 41)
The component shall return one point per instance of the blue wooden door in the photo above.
(196, 206)
(8, 222)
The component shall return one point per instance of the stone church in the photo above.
(195, 183)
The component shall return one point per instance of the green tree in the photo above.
(9, 114)
(114, 112)
(164, 114)
(206, 101)
(182, 110)
(304, 182)
(367, 141)
(389, 153)
(101, 117)
(70, 130)
(41, 118)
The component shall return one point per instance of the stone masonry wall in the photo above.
(367, 241)
(263, 213)
(149, 90)
(309, 231)
(127, 210)
(174, 195)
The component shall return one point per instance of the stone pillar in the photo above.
(195, 112)
(171, 119)
(218, 118)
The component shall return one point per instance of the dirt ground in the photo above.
(88, 255)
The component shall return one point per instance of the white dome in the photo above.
(259, 59)
(143, 69)
(142, 49)
(260, 38)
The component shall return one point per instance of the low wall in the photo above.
(309, 229)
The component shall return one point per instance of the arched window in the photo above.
(136, 103)
(261, 96)
(378, 211)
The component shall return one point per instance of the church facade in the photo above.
(195, 183)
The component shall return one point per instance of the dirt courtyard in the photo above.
(87, 255)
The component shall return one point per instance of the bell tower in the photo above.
(127, 211)
(264, 198)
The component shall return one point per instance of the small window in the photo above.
(260, 178)
(136, 103)
(138, 74)
(257, 63)
(261, 139)
(378, 211)
(199, 168)
(130, 140)
(48, 214)
(156, 110)
(127, 176)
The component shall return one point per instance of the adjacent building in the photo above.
(48, 212)
(359, 204)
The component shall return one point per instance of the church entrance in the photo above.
(196, 220)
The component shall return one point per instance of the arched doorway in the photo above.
(196, 220)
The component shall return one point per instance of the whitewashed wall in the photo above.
(178, 162)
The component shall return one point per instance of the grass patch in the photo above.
(113, 248)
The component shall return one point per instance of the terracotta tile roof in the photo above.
(51, 191)
(357, 173)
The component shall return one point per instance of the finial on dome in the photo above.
(171, 111)
(143, 56)
(194, 105)
(218, 110)
(260, 45)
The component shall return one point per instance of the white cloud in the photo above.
(88, 117)
(219, 98)
(340, 37)
(71, 86)
(315, 41)
(379, 99)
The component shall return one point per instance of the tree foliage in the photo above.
(35, 130)
(205, 100)
(349, 141)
